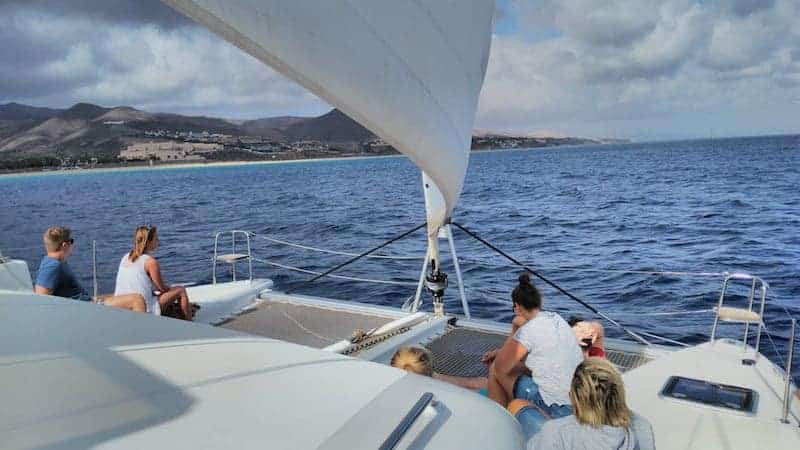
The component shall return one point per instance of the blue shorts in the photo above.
(533, 417)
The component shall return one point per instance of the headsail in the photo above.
(410, 71)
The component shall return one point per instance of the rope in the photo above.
(302, 327)
(554, 285)
(341, 277)
(332, 252)
(662, 338)
(576, 269)
(665, 313)
(774, 347)
(372, 250)
(788, 314)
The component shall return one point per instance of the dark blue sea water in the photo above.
(699, 206)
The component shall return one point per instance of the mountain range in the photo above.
(83, 131)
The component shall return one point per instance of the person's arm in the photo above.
(516, 322)
(509, 357)
(47, 279)
(473, 383)
(153, 270)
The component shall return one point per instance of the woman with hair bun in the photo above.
(538, 359)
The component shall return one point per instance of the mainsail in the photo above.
(408, 70)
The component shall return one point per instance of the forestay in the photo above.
(409, 71)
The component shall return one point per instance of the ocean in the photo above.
(597, 220)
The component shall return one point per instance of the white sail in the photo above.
(408, 70)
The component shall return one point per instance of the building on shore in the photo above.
(169, 151)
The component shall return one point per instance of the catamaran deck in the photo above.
(456, 349)
(303, 324)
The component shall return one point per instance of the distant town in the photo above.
(88, 136)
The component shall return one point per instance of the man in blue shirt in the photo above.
(56, 278)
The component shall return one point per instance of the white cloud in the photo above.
(646, 69)
(178, 69)
(618, 68)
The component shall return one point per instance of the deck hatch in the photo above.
(711, 394)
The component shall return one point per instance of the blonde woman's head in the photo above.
(413, 359)
(144, 240)
(598, 395)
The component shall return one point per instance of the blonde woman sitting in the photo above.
(418, 360)
(601, 417)
(140, 273)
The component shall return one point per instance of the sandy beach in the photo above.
(179, 166)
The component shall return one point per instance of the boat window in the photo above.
(712, 394)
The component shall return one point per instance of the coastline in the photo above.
(180, 166)
(193, 165)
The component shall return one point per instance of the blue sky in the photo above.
(641, 69)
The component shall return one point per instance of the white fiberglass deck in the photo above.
(222, 300)
(80, 375)
(679, 425)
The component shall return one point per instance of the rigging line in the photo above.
(774, 347)
(357, 257)
(788, 314)
(576, 269)
(665, 339)
(301, 326)
(341, 277)
(552, 284)
(333, 252)
(665, 313)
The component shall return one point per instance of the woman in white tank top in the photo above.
(140, 273)
(132, 278)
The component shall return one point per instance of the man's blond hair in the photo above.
(598, 395)
(55, 236)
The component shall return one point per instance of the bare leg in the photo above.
(497, 392)
(131, 302)
(474, 383)
(177, 293)
(501, 386)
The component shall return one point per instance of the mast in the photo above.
(435, 208)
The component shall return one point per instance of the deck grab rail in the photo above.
(233, 257)
(405, 424)
(739, 315)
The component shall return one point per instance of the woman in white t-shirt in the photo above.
(538, 359)
(140, 273)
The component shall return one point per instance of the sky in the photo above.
(637, 69)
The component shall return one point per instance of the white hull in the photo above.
(78, 375)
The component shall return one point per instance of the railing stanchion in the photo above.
(420, 285)
(719, 305)
(761, 316)
(787, 394)
(464, 303)
(94, 268)
(749, 308)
